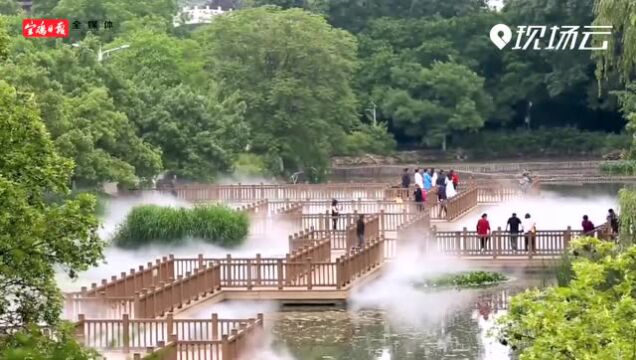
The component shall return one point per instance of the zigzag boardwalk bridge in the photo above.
(148, 309)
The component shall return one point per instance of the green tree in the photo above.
(80, 113)
(37, 236)
(354, 15)
(294, 73)
(621, 56)
(32, 344)
(199, 137)
(591, 318)
(433, 102)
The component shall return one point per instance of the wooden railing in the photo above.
(126, 335)
(233, 346)
(502, 243)
(212, 192)
(371, 231)
(307, 237)
(354, 265)
(376, 171)
(156, 301)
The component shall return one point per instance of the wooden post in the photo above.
(309, 274)
(279, 273)
(225, 351)
(126, 333)
(498, 239)
(169, 324)
(258, 270)
(249, 274)
(80, 327)
(215, 326)
(566, 239)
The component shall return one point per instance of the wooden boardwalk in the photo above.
(141, 310)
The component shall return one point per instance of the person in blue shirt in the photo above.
(428, 181)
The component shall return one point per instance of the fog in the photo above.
(393, 293)
(550, 211)
(274, 243)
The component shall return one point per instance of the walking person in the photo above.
(588, 226)
(483, 231)
(335, 213)
(530, 229)
(612, 221)
(360, 231)
(428, 180)
(419, 198)
(406, 178)
(513, 229)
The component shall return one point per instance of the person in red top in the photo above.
(483, 231)
(455, 179)
(588, 226)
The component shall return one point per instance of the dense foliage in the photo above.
(33, 344)
(540, 143)
(148, 224)
(466, 279)
(36, 235)
(292, 85)
(591, 318)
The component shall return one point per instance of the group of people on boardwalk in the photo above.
(527, 229)
(611, 225)
(426, 179)
(515, 227)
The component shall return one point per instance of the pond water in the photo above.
(449, 324)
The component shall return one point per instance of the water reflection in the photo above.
(459, 333)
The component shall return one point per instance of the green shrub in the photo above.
(620, 167)
(167, 225)
(466, 279)
(32, 344)
(250, 165)
(369, 139)
(541, 142)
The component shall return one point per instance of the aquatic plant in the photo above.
(464, 279)
(168, 225)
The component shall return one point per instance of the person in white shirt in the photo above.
(450, 187)
(434, 175)
(529, 228)
(419, 179)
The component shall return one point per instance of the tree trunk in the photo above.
(444, 143)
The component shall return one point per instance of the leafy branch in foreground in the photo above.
(591, 318)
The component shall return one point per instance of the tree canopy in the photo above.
(294, 75)
(37, 234)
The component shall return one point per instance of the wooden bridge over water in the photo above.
(145, 309)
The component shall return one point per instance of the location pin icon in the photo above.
(500, 35)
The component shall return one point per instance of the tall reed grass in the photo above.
(152, 224)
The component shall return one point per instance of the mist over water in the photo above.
(410, 316)
(551, 210)
(274, 243)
